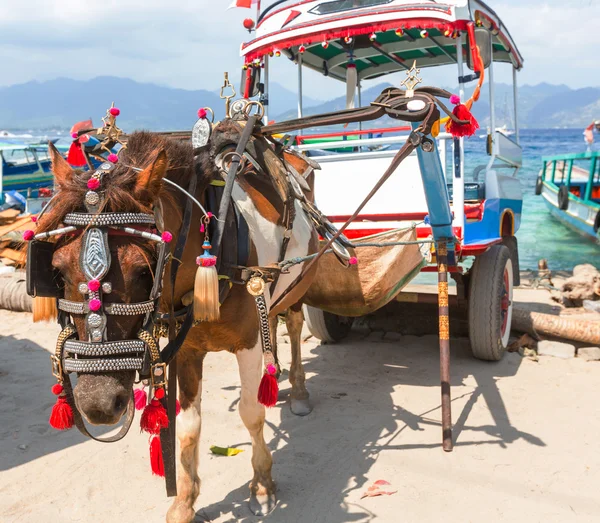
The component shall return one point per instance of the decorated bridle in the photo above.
(94, 352)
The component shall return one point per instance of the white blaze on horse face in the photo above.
(267, 237)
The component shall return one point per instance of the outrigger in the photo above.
(468, 215)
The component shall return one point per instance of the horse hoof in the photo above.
(301, 407)
(261, 505)
(180, 513)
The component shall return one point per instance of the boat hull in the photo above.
(579, 217)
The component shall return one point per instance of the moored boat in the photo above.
(570, 186)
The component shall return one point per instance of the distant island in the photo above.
(57, 104)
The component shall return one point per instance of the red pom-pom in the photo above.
(455, 99)
(159, 393)
(353, 260)
(166, 236)
(140, 399)
(74, 136)
(93, 184)
(75, 156)
(156, 458)
(112, 158)
(458, 130)
(95, 304)
(268, 390)
(114, 111)
(248, 23)
(28, 235)
(57, 389)
(34, 219)
(201, 113)
(61, 417)
(94, 285)
(154, 418)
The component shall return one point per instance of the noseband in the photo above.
(95, 353)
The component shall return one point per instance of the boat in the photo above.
(479, 210)
(570, 187)
(26, 179)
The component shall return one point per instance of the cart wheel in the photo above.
(510, 242)
(490, 303)
(326, 326)
(539, 184)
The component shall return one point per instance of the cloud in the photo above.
(190, 43)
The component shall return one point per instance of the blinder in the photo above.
(43, 280)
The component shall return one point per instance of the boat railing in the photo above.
(583, 183)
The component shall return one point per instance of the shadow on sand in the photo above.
(368, 422)
(26, 399)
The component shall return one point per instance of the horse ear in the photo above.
(61, 169)
(150, 179)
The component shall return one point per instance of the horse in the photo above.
(136, 184)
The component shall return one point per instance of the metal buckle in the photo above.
(158, 375)
(57, 370)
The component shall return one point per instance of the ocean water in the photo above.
(540, 235)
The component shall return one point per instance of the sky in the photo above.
(189, 43)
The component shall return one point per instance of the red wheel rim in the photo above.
(505, 301)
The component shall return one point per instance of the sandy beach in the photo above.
(526, 446)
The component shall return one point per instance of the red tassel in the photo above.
(154, 418)
(76, 158)
(459, 130)
(156, 457)
(140, 398)
(61, 417)
(268, 390)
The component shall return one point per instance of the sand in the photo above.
(526, 438)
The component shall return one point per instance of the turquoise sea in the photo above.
(540, 235)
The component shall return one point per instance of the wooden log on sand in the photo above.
(13, 292)
(536, 323)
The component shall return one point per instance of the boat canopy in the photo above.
(377, 36)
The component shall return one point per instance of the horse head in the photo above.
(108, 267)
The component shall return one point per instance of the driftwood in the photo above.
(536, 323)
(583, 285)
(13, 292)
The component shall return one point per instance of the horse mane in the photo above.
(119, 195)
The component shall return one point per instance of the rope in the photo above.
(285, 264)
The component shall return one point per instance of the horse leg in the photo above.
(188, 432)
(294, 320)
(273, 323)
(262, 487)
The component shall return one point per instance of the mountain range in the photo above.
(57, 104)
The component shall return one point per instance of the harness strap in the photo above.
(63, 377)
(233, 169)
(167, 436)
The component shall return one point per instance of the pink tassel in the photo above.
(140, 398)
(268, 391)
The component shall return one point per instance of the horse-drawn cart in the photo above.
(465, 217)
(118, 258)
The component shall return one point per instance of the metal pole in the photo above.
(444, 337)
(266, 93)
(492, 102)
(458, 182)
(359, 103)
(299, 85)
(515, 102)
